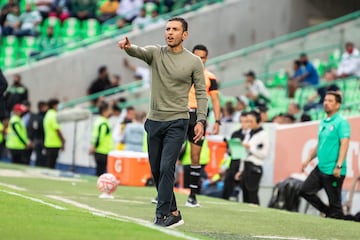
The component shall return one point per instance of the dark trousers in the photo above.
(51, 157)
(164, 144)
(229, 180)
(40, 154)
(332, 185)
(250, 182)
(101, 161)
(18, 156)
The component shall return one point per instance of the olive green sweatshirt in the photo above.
(172, 75)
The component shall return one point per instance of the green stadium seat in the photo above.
(8, 62)
(334, 58)
(150, 7)
(53, 22)
(10, 41)
(71, 28)
(29, 42)
(90, 28)
(319, 66)
(8, 51)
(280, 79)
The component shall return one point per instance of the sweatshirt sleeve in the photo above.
(200, 90)
(143, 53)
(260, 148)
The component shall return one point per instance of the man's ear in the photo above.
(185, 35)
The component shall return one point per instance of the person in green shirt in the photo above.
(174, 69)
(54, 140)
(333, 142)
(17, 141)
(102, 142)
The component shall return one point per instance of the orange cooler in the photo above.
(130, 168)
(217, 148)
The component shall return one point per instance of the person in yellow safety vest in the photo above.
(102, 142)
(186, 161)
(17, 141)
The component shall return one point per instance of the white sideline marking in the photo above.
(283, 238)
(14, 187)
(34, 200)
(122, 218)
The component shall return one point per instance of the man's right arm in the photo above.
(143, 53)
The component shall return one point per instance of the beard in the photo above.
(174, 44)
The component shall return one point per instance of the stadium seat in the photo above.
(71, 27)
(280, 79)
(10, 41)
(334, 58)
(319, 66)
(29, 42)
(90, 28)
(53, 22)
(8, 51)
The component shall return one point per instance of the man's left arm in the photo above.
(215, 100)
(344, 134)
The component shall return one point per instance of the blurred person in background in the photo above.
(61, 9)
(17, 141)
(101, 83)
(129, 9)
(12, 21)
(241, 105)
(294, 79)
(16, 93)
(54, 139)
(31, 124)
(310, 75)
(108, 10)
(44, 7)
(83, 9)
(350, 62)
(39, 134)
(102, 142)
(257, 93)
(6, 9)
(30, 19)
(228, 112)
(134, 133)
(140, 73)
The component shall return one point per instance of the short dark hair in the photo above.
(200, 47)
(243, 114)
(53, 102)
(338, 97)
(256, 115)
(102, 69)
(130, 108)
(182, 20)
(303, 55)
(103, 107)
(348, 44)
(297, 63)
(115, 107)
(41, 104)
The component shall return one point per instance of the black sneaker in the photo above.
(159, 220)
(172, 221)
(192, 202)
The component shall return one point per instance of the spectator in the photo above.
(310, 75)
(257, 93)
(61, 9)
(29, 20)
(142, 20)
(263, 110)
(108, 10)
(83, 9)
(228, 112)
(17, 141)
(16, 93)
(12, 21)
(54, 140)
(294, 79)
(102, 142)
(155, 19)
(130, 115)
(101, 83)
(321, 93)
(241, 105)
(31, 124)
(46, 43)
(350, 62)
(6, 9)
(134, 133)
(44, 7)
(294, 109)
(305, 118)
(129, 9)
(257, 150)
(140, 73)
(288, 118)
(115, 81)
(229, 181)
(38, 134)
(278, 119)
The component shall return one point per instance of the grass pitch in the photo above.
(129, 215)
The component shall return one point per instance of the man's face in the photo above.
(174, 34)
(330, 104)
(292, 109)
(244, 122)
(17, 80)
(249, 79)
(252, 122)
(28, 7)
(202, 54)
(349, 48)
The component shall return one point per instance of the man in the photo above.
(310, 76)
(30, 19)
(3, 86)
(17, 141)
(39, 134)
(54, 140)
(101, 83)
(133, 138)
(212, 90)
(16, 93)
(257, 93)
(102, 142)
(83, 9)
(241, 105)
(350, 62)
(333, 142)
(243, 134)
(174, 70)
(257, 147)
(140, 73)
(294, 79)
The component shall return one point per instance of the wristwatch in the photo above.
(338, 166)
(203, 122)
(218, 122)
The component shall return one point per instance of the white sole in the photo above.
(179, 223)
(192, 205)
